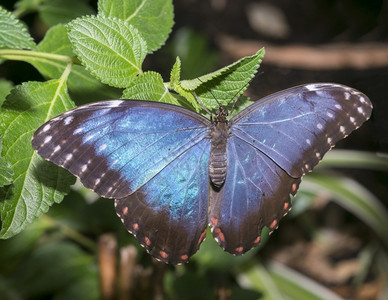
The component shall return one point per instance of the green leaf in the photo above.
(295, 285)
(153, 19)
(276, 281)
(349, 194)
(258, 278)
(225, 84)
(13, 33)
(110, 49)
(354, 159)
(62, 11)
(149, 86)
(6, 172)
(37, 183)
(175, 84)
(5, 88)
(83, 86)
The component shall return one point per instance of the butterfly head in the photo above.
(221, 114)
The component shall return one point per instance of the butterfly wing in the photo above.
(272, 144)
(151, 157)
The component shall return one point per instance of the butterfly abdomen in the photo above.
(218, 154)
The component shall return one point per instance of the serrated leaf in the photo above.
(223, 85)
(175, 74)
(83, 86)
(244, 66)
(109, 48)
(13, 33)
(62, 11)
(37, 183)
(153, 19)
(149, 86)
(175, 84)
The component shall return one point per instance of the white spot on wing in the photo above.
(46, 128)
(78, 130)
(69, 157)
(89, 137)
(115, 103)
(338, 106)
(347, 95)
(102, 147)
(47, 139)
(308, 141)
(311, 87)
(68, 120)
(83, 168)
(57, 148)
(319, 126)
(329, 114)
(360, 110)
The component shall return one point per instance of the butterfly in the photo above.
(173, 172)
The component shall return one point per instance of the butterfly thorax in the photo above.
(218, 154)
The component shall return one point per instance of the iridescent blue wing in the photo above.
(143, 154)
(272, 144)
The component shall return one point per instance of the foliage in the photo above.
(87, 58)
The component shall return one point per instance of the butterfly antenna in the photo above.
(203, 106)
(235, 101)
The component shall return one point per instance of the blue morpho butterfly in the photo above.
(172, 171)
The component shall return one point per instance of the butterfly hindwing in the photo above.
(256, 193)
(116, 146)
(168, 215)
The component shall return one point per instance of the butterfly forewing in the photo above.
(296, 127)
(115, 147)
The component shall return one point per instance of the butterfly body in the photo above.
(173, 172)
(218, 153)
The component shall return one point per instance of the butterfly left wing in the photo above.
(272, 144)
(151, 157)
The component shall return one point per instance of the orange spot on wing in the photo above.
(273, 224)
(184, 257)
(239, 249)
(163, 254)
(147, 241)
(125, 211)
